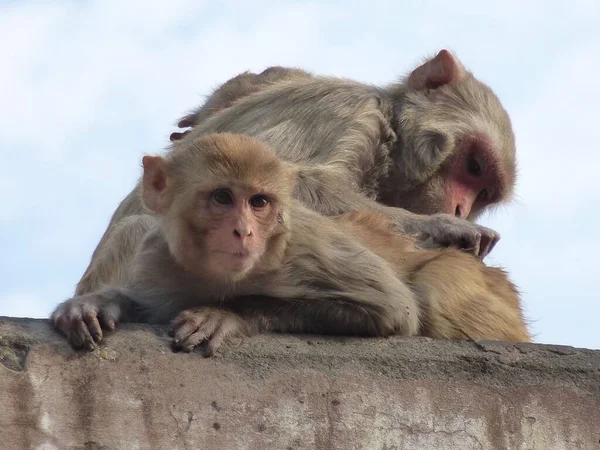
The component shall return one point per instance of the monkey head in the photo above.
(457, 149)
(223, 200)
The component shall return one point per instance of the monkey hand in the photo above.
(447, 230)
(82, 318)
(213, 326)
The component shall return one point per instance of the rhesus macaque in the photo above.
(238, 87)
(428, 152)
(229, 251)
(437, 142)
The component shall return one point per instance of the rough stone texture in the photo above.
(293, 392)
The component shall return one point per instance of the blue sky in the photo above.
(88, 87)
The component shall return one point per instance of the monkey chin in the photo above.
(232, 265)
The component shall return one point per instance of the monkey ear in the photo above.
(154, 183)
(439, 71)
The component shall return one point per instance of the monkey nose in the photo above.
(242, 232)
(462, 211)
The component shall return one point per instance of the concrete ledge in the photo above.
(293, 392)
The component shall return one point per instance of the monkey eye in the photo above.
(259, 201)
(222, 196)
(483, 195)
(474, 166)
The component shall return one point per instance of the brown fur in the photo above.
(461, 297)
(400, 150)
(302, 271)
(234, 89)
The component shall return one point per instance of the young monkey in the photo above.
(231, 252)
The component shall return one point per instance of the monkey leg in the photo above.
(464, 299)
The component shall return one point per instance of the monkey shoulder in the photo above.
(151, 256)
(320, 245)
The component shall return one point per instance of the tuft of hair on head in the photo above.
(237, 158)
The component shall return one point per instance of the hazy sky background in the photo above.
(88, 87)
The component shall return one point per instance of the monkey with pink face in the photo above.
(228, 251)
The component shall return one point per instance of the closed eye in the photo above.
(475, 166)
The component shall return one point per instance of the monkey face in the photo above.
(226, 232)
(468, 182)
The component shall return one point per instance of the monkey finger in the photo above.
(471, 243)
(176, 136)
(79, 335)
(214, 344)
(188, 328)
(217, 339)
(490, 243)
(186, 122)
(92, 324)
(189, 315)
(74, 339)
(191, 341)
(202, 333)
(61, 323)
(109, 315)
(229, 327)
(476, 247)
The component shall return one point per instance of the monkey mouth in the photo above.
(233, 262)
(234, 253)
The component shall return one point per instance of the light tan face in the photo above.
(226, 231)
(223, 201)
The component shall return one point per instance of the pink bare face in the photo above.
(473, 178)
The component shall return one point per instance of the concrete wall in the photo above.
(293, 392)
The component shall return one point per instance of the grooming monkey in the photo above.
(229, 251)
(428, 152)
(439, 141)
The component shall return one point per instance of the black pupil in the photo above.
(474, 167)
(258, 201)
(223, 197)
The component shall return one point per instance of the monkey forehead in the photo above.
(483, 103)
(241, 189)
(226, 156)
(485, 117)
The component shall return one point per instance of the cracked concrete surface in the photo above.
(293, 392)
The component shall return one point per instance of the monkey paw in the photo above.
(81, 319)
(447, 230)
(212, 326)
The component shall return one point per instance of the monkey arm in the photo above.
(331, 284)
(115, 251)
(325, 189)
(82, 318)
